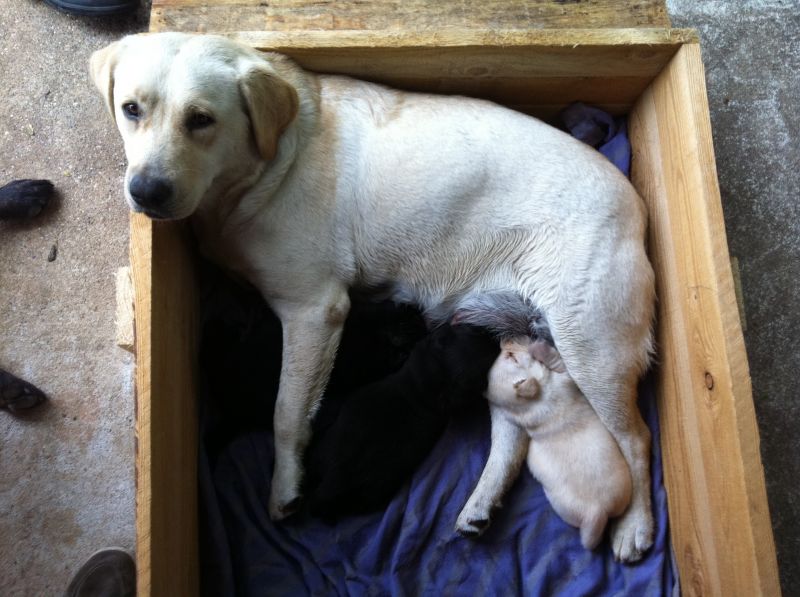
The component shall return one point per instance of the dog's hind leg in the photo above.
(605, 348)
(311, 335)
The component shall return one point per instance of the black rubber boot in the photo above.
(98, 8)
(17, 395)
(108, 573)
(22, 199)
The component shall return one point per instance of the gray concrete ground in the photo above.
(66, 474)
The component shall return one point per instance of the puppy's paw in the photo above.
(474, 519)
(472, 528)
(21, 199)
(632, 535)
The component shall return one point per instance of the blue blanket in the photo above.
(411, 548)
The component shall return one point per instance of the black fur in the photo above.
(240, 354)
(366, 444)
(21, 199)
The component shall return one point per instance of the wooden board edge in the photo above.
(166, 421)
(141, 254)
(454, 38)
(719, 516)
(416, 14)
(450, 37)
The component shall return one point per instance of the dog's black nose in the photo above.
(150, 191)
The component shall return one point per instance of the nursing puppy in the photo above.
(308, 185)
(366, 444)
(570, 452)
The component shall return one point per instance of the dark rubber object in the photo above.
(108, 573)
(17, 395)
(96, 8)
(22, 199)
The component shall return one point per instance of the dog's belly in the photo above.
(435, 274)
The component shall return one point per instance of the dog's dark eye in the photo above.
(131, 110)
(199, 120)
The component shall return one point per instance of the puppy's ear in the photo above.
(272, 104)
(101, 67)
(547, 355)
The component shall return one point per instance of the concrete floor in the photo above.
(66, 473)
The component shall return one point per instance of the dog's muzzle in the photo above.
(151, 194)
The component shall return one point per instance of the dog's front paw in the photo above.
(284, 497)
(281, 507)
(474, 519)
(632, 535)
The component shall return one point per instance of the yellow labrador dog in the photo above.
(308, 185)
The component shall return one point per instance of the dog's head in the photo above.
(515, 375)
(198, 116)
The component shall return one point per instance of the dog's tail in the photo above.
(592, 529)
(504, 314)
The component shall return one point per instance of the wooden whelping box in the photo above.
(536, 56)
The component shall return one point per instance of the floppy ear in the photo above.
(272, 104)
(101, 67)
(547, 355)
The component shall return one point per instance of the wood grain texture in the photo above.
(719, 519)
(166, 421)
(407, 15)
(124, 317)
(521, 67)
(531, 71)
(356, 41)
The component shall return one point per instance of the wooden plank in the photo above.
(564, 54)
(166, 421)
(410, 15)
(124, 318)
(719, 518)
(450, 38)
(522, 69)
(548, 68)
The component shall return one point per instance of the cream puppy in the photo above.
(570, 452)
(309, 185)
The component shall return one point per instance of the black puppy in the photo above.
(367, 443)
(240, 353)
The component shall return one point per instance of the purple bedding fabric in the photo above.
(411, 547)
(602, 131)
